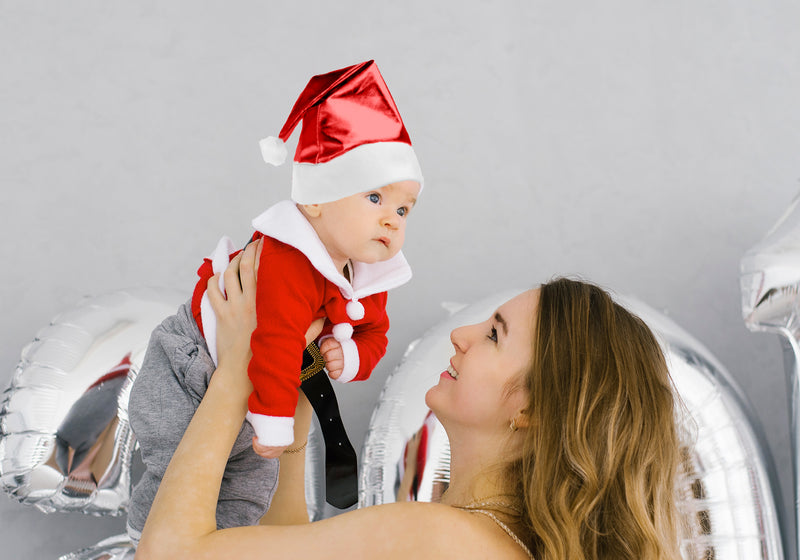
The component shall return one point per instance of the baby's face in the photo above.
(369, 226)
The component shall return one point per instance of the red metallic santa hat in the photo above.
(352, 139)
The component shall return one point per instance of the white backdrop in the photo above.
(641, 145)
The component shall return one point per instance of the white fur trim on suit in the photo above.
(351, 361)
(219, 262)
(369, 166)
(209, 326)
(274, 431)
(286, 223)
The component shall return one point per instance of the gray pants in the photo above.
(173, 379)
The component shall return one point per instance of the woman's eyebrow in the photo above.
(499, 319)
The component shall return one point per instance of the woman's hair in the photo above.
(600, 459)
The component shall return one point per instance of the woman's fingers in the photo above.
(313, 331)
(233, 286)
(259, 246)
(215, 296)
(248, 266)
(238, 302)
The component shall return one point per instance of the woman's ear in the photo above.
(312, 210)
(522, 419)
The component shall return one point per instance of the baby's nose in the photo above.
(391, 220)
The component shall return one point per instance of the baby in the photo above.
(331, 252)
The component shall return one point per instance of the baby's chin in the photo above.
(372, 259)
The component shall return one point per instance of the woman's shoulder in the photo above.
(432, 531)
(399, 531)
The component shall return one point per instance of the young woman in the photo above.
(559, 411)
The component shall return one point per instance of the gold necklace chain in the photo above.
(505, 528)
(480, 506)
(490, 501)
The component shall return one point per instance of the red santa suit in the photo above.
(298, 283)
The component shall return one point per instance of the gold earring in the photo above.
(513, 425)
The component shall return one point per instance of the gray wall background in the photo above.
(642, 145)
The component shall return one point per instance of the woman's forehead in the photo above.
(521, 306)
(516, 315)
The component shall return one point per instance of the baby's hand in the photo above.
(331, 350)
(268, 451)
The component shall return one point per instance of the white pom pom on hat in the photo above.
(273, 150)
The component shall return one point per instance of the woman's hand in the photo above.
(268, 451)
(236, 313)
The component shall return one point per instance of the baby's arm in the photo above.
(371, 340)
(285, 303)
(270, 452)
(369, 344)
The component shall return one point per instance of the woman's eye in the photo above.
(402, 211)
(493, 335)
(375, 198)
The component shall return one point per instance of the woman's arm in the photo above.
(182, 523)
(185, 505)
(288, 505)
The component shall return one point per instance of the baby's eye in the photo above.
(374, 198)
(402, 211)
(493, 335)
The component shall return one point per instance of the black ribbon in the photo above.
(341, 461)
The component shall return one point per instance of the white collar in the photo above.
(286, 223)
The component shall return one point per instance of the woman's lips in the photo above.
(451, 371)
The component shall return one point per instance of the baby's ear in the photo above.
(312, 210)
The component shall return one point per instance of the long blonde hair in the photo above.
(600, 460)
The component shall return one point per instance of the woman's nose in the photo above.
(458, 339)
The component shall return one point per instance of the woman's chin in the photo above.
(430, 398)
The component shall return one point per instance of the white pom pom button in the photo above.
(343, 331)
(355, 310)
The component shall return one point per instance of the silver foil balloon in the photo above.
(315, 473)
(65, 442)
(118, 547)
(770, 283)
(727, 493)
